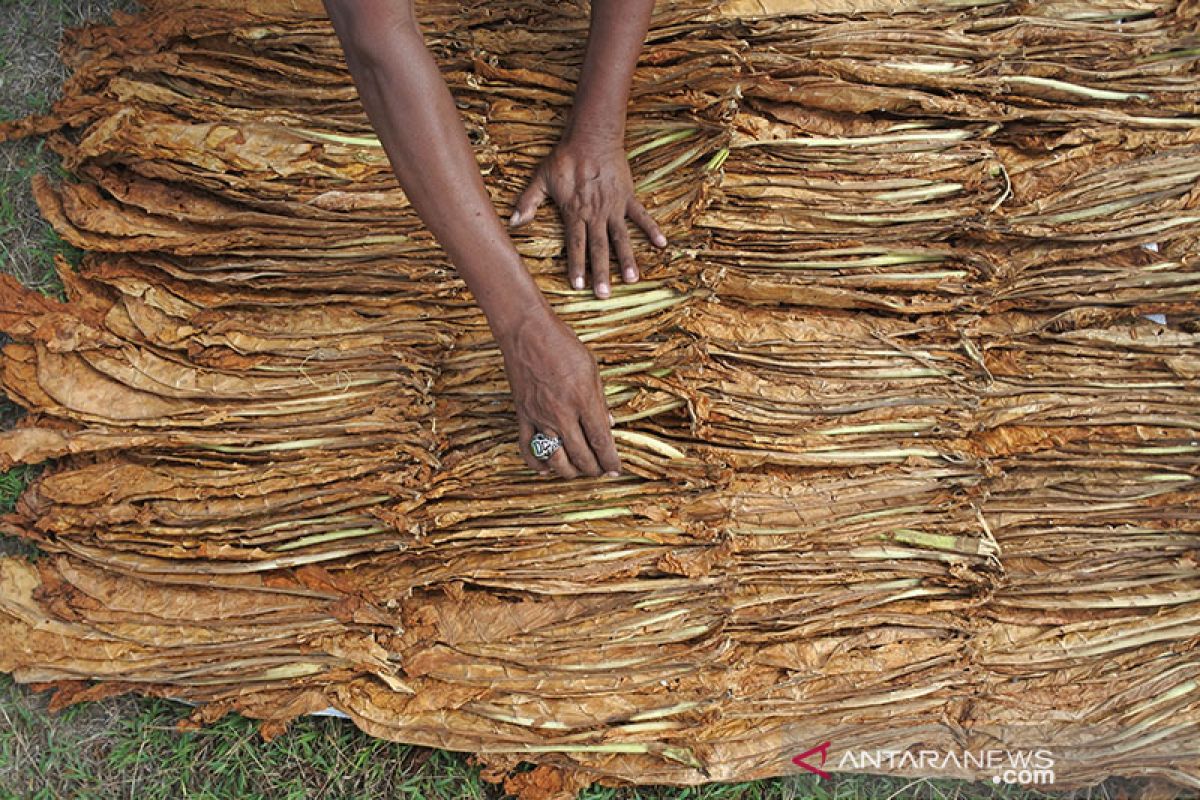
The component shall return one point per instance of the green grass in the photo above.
(130, 748)
(27, 242)
(12, 483)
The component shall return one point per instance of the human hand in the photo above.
(590, 181)
(557, 391)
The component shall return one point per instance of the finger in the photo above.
(598, 255)
(620, 237)
(559, 462)
(524, 434)
(579, 451)
(529, 201)
(576, 244)
(638, 213)
(600, 439)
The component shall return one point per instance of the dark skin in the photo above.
(555, 383)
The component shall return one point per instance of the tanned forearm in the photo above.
(617, 32)
(414, 116)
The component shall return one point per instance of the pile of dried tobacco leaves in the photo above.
(908, 464)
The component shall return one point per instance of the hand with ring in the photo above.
(543, 446)
(562, 416)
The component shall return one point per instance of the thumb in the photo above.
(527, 205)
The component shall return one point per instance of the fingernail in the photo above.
(602, 291)
(660, 240)
(611, 420)
(631, 276)
(611, 474)
(577, 282)
(515, 218)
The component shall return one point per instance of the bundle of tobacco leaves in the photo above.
(908, 409)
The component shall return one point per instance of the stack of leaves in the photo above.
(1097, 492)
(907, 468)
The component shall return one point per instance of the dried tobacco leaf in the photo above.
(905, 464)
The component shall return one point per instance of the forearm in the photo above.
(617, 32)
(413, 114)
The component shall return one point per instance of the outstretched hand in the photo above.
(593, 188)
(557, 391)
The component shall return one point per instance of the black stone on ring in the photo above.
(544, 446)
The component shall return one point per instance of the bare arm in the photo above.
(618, 29)
(556, 387)
(588, 175)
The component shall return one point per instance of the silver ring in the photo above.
(544, 446)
